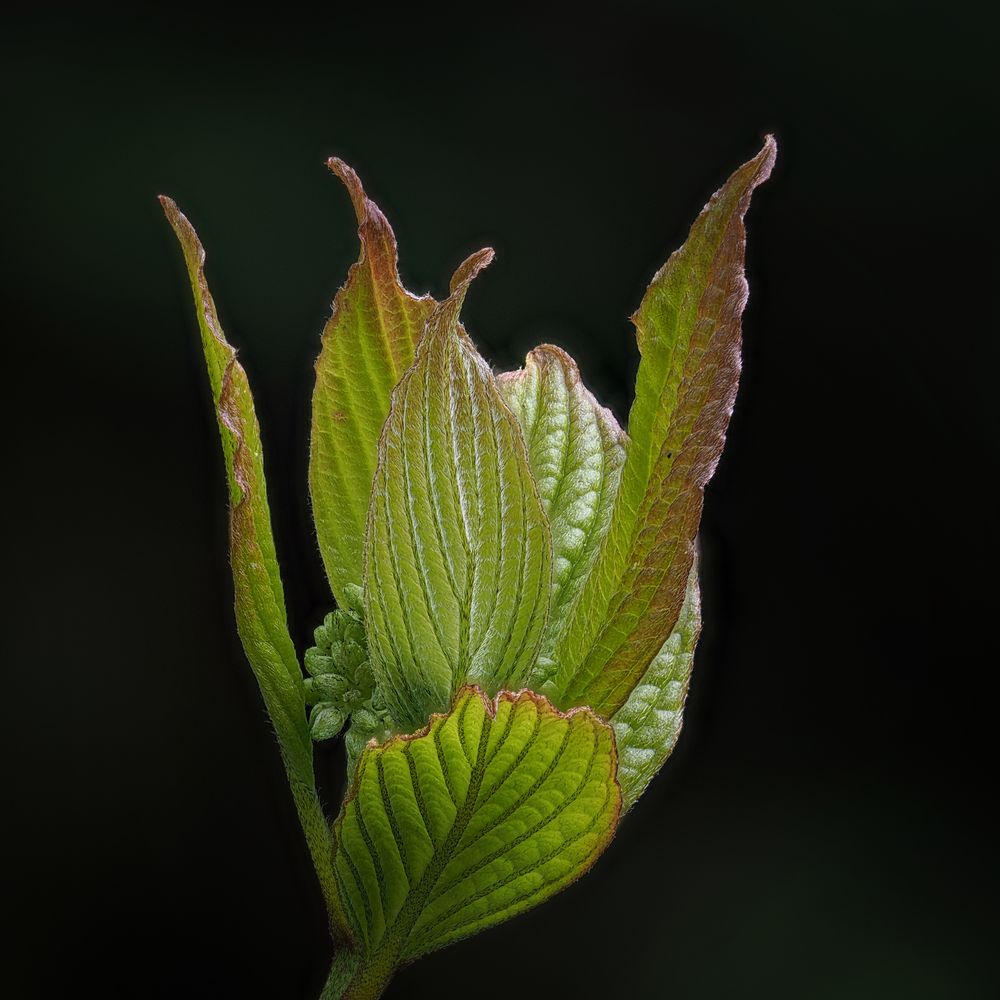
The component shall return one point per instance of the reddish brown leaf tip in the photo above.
(765, 160)
(184, 230)
(170, 210)
(469, 269)
(352, 182)
(547, 355)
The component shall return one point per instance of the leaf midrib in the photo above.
(395, 936)
(578, 688)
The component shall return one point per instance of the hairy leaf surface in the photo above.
(576, 451)
(369, 341)
(260, 602)
(458, 554)
(648, 724)
(490, 810)
(688, 331)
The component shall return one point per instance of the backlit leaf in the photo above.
(457, 567)
(688, 331)
(490, 810)
(260, 602)
(369, 341)
(576, 451)
(648, 724)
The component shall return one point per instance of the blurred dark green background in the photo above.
(821, 831)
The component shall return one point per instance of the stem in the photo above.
(316, 828)
(350, 979)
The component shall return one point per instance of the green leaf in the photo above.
(368, 343)
(576, 451)
(648, 724)
(260, 602)
(457, 567)
(688, 331)
(490, 810)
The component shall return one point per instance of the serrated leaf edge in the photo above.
(491, 706)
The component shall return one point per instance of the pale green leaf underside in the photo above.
(489, 811)
(369, 341)
(688, 332)
(648, 724)
(260, 603)
(457, 568)
(576, 451)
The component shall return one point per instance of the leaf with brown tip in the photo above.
(260, 602)
(688, 331)
(457, 556)
(368, 343)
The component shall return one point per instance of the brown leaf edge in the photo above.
(401, 316)
(543, 357)
(492, 705)
(443, 318)
(379, 250)
(294, 743)
(702, 449)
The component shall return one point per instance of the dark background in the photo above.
(821, 830)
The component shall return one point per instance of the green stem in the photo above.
(350, 979)
(316, 828)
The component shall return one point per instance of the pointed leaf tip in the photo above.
(350, 179)
(768, 149)
(258, 594)
(183, 229)
(175, 216)
(469, 269)
(763, 163)
(367, 344)
(457, 550)
(688, 333)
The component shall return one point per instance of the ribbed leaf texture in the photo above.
(481, 533)
(576, 451)
(458, 555)
(490, 810)
(369, 341)
(688, 331)
(648, 724)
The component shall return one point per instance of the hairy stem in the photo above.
(349, 979)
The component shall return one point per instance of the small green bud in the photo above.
(341, 681)
(325, 721)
